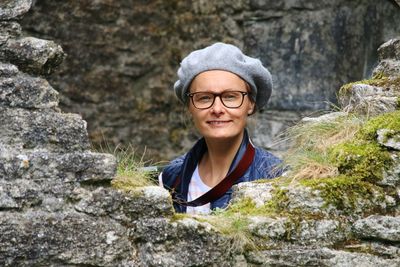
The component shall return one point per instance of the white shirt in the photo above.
(196, 189)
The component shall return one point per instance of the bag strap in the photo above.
(223, 186)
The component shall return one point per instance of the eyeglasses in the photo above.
(230, 99)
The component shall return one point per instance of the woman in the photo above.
(221, 87)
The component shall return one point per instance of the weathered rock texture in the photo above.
(123, 55)
(57, 207)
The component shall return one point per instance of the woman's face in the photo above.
(218, 121)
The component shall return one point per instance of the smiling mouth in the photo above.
(217, 122)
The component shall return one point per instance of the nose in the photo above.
(217, 107)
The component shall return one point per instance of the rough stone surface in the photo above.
(69, 167)
(40, 130)
(10, 9)
(260, 193)
(364, 98)
(389, 58)
(389, 138)
(33, 55)
(25, 91)
(122, 61)
(164, 243)
(386, 228)
(63, 239)
(318, 257)
(9, 30)
(391, 177)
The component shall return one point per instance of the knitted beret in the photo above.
(220, 56)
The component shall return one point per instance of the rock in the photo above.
(390, 50)
(385, 228)
(269, 228)
(176, 251)
(367, 99)
(26, 92)
(33, 55)
(324, 232)
(73, 167)
(389, 138)
(389, 58)
(387, 67)
(348, 259)
(318, 257)
(43, 130)
(40, 238)
(260, 193)
(10, 9)
(391, 251)
(7, 70)
(391, 176)
(143, 203)
(305, 199)
(9, 30)
(19, 194)
(329, 117)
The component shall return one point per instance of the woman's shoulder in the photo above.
(265, 155)
(267, 163)
(173, 168)
(176, 161)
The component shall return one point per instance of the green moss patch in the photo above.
(344, 192)
(390, 121)
(363, 160)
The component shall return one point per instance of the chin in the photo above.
(221, 134)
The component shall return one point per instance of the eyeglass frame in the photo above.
(190, 95)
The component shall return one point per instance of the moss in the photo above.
(344, 192)
(244, 206)
(179, 216)
(278, 201)
(377, 80)
(363, 160)
(390, 120)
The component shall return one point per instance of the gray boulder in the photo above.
(10, 9)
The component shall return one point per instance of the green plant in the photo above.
(130, 172)
(309, 156)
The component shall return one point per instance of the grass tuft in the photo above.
(309, 156)
(130, 173)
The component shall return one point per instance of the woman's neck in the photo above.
(215, 163)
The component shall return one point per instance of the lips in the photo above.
(218, 122)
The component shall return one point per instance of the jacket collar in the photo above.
(193, 157)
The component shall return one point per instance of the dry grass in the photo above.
(309, 155)
(234, 222)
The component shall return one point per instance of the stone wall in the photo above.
(123, 55)
(57, 207)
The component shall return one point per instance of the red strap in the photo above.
(222, 187)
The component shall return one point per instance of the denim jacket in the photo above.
(264, 166)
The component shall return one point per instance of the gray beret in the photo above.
(220, 56)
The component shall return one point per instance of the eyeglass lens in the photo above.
(230, 99)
